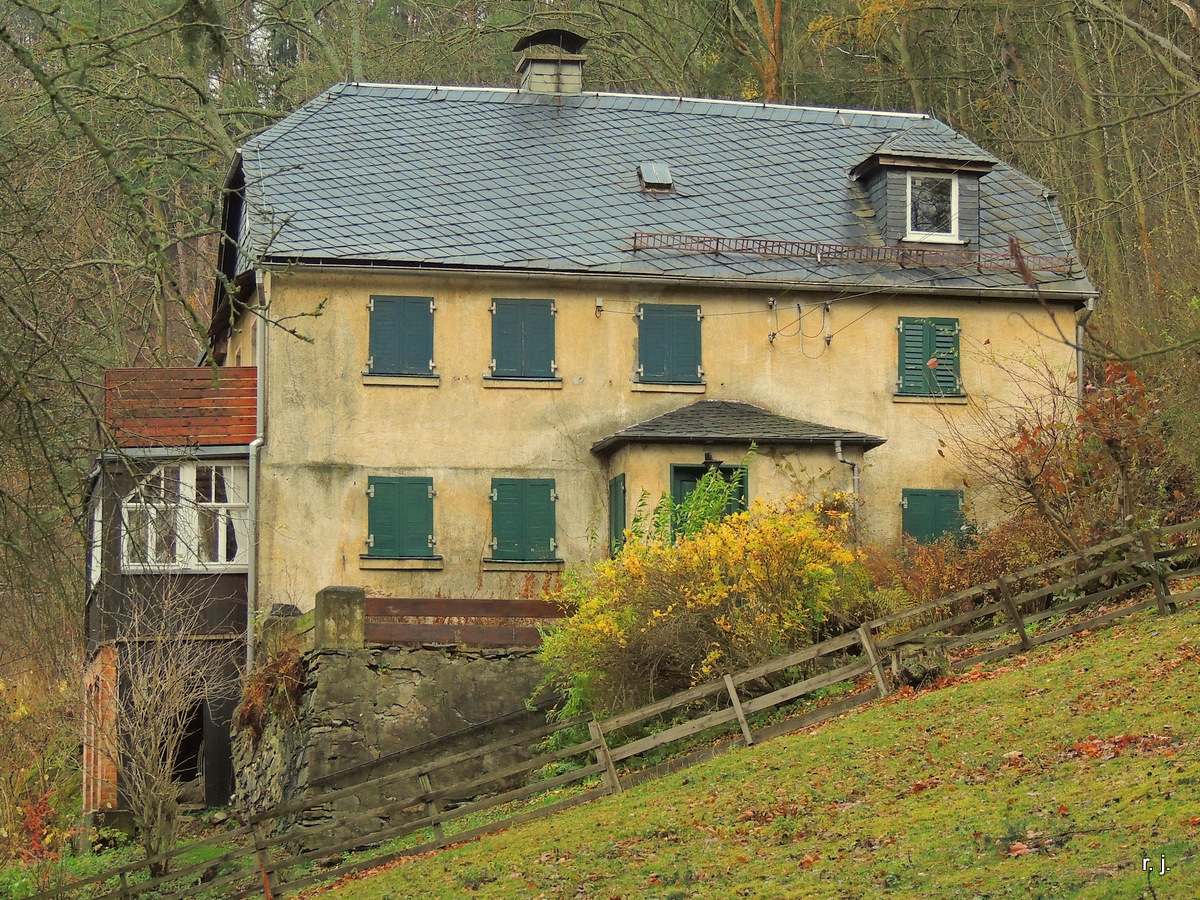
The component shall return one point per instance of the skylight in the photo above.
(655, 177)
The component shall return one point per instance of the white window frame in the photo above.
(96, 548)
(186, 512)
(943, 237)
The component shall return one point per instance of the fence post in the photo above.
(611, 778)
(124, 887)
(864, 638)
(1013, 612)
(270, 883)
(431, 806)
(737, 708)
(1160, 590)
(338, 620)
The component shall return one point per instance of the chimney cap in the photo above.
(567, 41)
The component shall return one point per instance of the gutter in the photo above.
(856, 289)
(854, 475)
(1080, 334)
(260, 363)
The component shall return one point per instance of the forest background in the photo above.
(118, 123)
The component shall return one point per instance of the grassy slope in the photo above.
(912, 797)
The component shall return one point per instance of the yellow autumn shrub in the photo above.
(665, 615)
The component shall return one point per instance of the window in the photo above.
(400, 518)
(685, 478)
(523, 519)
(669, 344)
(616, 514)
(401, 340)
(927, 515)
(187, 517)
(929, 360)
(523, 339)
(932, 207)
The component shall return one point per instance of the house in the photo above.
(486, 323)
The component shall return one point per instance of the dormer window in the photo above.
(924, 184)
(932, 207)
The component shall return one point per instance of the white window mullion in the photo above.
(187, 519)
(96, 554)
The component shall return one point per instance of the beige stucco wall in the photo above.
(328, 428)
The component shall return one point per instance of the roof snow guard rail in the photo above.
(844, 253)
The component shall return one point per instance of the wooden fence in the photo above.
(493, 623)
(983, 623)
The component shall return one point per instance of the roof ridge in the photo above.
(742, 104)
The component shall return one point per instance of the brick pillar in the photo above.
(99, 732)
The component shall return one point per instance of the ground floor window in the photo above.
(929, 514)
(400, 517)
(523, 519)
(684, 480)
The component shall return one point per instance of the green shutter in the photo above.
(416, 336)
(539, 519)
(912, 357)
(616, 513)
(928, 514)
(384, 349)
(507, 500)
(401, 335)
(399, 516)
(653, 343)
(539, 338)
(943, 341)
(416, 516)
(383, 516)
(923, 340)
(684, 343)
(523, 521)
(507, 350)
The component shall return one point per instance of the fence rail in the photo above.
(967, 624)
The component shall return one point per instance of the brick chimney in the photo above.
(551, 62)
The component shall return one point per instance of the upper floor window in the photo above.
(669, 344)
(932, 207)
(401, 339)
(187, 517)
(929, 360)
(523, 339)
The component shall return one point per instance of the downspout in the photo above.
(837, 449)
(1080, 334)
(260, 370)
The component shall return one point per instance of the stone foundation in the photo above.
(361, 705)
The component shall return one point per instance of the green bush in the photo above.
(666, 614)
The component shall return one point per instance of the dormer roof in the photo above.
(922, 146)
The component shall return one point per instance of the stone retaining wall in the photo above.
(362, 704)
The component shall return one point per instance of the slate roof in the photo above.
(732, 421)
(502, 179)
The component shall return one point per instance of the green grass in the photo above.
(913, 797)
